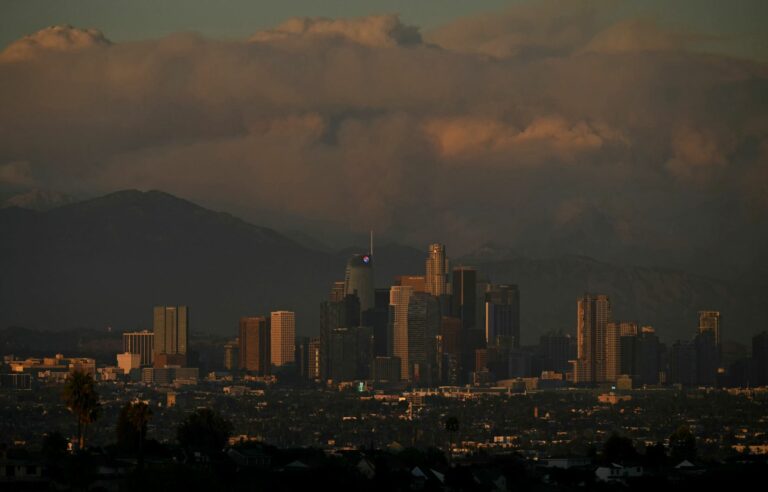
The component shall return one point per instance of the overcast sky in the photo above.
(631, 131)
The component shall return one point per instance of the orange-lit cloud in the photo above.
(53, 39)
(490, 128)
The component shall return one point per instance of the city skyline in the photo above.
(190, 196)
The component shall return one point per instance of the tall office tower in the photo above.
(351, 353)
(314, 359)
(707, 358)
(399, 298)
(379, 321)
(709, 321)
(283, 336)
(682, 364)
(502, 315)
(555, 350)
(337, 291)
(464, 300)
(418, 282)
(255, 343)
(142, 343)
(358, 280)
(232, 355)
(482, 287)
(302, 357)
(593, 314)
(437, 270)
(171, 324)
(614, 333)
(760, 357)
(386, 370)
(423, 326)
(340, 314)
(612, 351)
(649, 353)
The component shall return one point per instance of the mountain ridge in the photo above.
(106, 261)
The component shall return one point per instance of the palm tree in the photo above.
(452, 426)
(139, 414)
(82, 400)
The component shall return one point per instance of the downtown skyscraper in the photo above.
(436, 270)
(709, 322)
(399, 298)
(283, 337)
(502, 315)
(464, 297)
(142, 343)
(255, 345)
(593, 315)
(171, 326)
(358, 280)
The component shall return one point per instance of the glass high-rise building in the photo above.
(171, 325)
(358, 280)
(709, 321)
(464, 297)
(399, 298)
(255, 344)
(593, 315)
(142, 343)
(437, 270)
(502, 315)
(423, 327)
(283, 337)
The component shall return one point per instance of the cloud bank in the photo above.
(547, 129)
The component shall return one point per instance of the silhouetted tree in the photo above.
(83, 401)
(452, 427)
(132, 427)
(682, 444)
(656, 455)
(204, 430)
(54, 447)
(618, 449)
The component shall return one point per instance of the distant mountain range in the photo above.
(107, 261)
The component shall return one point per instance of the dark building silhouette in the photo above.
(707, 358)
(464, 296)
(502, 315)
(255, 342)
(641, 356)
(682, 363)
(142, 343)
(593, 315)
(556, 350)
(760, 358)
(351, 353)
(302, 357)
(380, 323)
(423, 328)
(171, 326)
(386, 369)
(358, 280)
(335, 314)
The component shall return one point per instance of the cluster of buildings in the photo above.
(443, 327)
(435, 328)
(159, 356)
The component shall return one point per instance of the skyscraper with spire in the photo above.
(358, 280)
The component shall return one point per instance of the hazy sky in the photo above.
(740, 23)
(628, 131)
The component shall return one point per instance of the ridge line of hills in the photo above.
(106, 261)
